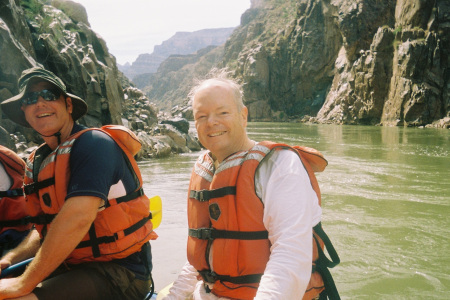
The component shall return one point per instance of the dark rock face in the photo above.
(42, 35)
(344, 62)
(402, 78)
(58, 38)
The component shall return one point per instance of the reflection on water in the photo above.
(385, 196)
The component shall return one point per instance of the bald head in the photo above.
(223, 82)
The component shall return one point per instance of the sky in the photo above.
(133, 27)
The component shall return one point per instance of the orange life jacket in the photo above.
(120, 229)
(235, 228)
(13, 208)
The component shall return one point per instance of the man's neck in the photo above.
(54, 141)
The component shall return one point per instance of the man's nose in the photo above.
(212, 119)
(41, 101)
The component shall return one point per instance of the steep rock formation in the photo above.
(176, 75)
(182, 43)
(402, 78)
(346, 62)
(56, 35)
(340, 61)
(46, 36)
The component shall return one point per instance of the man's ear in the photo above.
(69, 105)
(244, 115)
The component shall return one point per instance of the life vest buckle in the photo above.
(203, 195)
(208, 276)
(205, 233)
(29, 189)
(202, 233)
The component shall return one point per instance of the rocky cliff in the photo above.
(56, 35)
(182, 43)
(170, 85)
(341, 61)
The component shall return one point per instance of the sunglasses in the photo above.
(48, 95)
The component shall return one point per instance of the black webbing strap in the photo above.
(137, 225)
(323, 263)
(211, 234)
(36, 186)
(13, 223)
(128, 197)
(99, 240)
(206, 195)
(212, 277)
(330, 287)
(94, 240)
(40, 220)
(11, 193)
(335, 260)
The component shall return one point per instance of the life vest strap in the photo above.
(212, 234)
(212, 277)
(11, 193)
(128, 197)
(94, 241)
(323, 259)
(323, 263)
(14, 223)
(206, 195)
(36, 186)
(137, 225)
(40, 220)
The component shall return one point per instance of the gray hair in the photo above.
(221, 76)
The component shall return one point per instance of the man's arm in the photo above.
(26, 249)
(66, 231)
(290, 208)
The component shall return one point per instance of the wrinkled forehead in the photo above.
(212, 96)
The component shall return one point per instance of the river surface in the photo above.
(385, 200)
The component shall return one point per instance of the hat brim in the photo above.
(12, 108)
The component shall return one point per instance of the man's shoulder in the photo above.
(283, 154)
(95, 142)
(93, 135)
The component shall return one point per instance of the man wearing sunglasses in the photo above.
(85, 198)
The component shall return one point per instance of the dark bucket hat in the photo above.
(11, 107)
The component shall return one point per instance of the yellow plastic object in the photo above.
(164, 292)
(156, 210)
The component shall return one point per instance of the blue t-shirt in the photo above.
(97, 163)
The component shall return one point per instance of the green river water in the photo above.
(385, 200)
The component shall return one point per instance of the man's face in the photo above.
(220, 125)
(47, 117)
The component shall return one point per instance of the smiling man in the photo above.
(251, 208)
(85, 198)
(220, 119)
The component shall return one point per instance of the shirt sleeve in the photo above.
(290, 209)
(184, 286)
(5, 180)
(95, 164)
